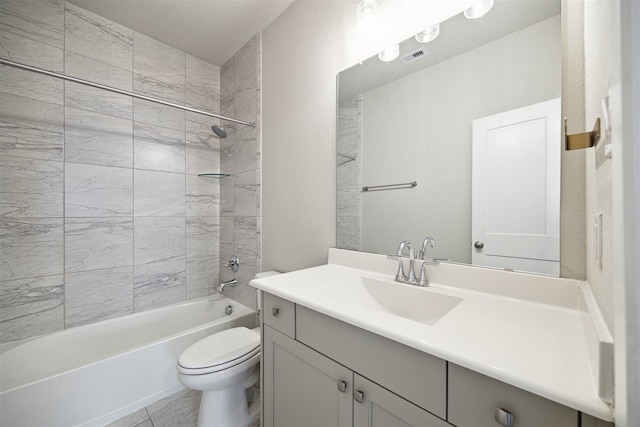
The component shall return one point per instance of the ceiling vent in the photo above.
(414, 56)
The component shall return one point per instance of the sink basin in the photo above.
(408, 301)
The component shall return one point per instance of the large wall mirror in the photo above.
(473, 120)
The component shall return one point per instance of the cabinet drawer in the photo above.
(473, 399)
(279, 314)
(415, 376)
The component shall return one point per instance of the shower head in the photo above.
(219, 130)
(223, 131)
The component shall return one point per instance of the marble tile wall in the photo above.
(349, 182)
(240, 156)
(102, 212)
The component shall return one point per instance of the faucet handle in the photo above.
(233, 264)
(423, 281)
(400, 276)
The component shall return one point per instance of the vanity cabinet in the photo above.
(377, 381)
(305, 388)
(320, 371)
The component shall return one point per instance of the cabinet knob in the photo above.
(358, 395)
(275, 311)
(342, 386)
(478, 245)
(504, 417)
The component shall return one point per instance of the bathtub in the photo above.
(94, 374)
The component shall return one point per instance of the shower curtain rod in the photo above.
(120, 91)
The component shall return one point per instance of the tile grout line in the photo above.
(186, 278)
(133, 181)
(64, 170)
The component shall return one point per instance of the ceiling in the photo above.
(212, 30)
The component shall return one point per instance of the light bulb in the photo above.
(390, 53)
(479, 9)
(429, 34)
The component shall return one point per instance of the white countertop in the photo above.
(536, 346)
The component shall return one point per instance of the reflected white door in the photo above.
(516, 189)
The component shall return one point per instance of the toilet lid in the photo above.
(217, 351)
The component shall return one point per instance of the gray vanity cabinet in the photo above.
(320, 371)
(303, 387)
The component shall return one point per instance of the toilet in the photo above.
(223, 366)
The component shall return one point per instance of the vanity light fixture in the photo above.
(479, 9)
(429, 34)
(390, 53)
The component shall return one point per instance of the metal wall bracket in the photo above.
(578, 141)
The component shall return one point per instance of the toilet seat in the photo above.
(219, 351)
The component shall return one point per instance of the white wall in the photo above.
(303, 50)
(597, 39)
(418, 128)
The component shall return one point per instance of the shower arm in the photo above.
(120, 91)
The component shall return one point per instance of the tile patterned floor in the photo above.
(177, 410)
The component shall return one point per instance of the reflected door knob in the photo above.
(478, 244)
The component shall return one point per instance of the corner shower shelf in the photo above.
(214, 175)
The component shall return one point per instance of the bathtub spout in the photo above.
(224, 284)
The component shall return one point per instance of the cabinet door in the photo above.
(301, 386)
(375, 406)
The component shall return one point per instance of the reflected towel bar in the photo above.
(390, 186)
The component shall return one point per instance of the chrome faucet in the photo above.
(226, 283)
(428, 242)
(411, 278)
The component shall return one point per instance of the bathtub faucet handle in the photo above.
(233, 264)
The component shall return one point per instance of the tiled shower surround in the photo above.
(240, 156)
(102, 212)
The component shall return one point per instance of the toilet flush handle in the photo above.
(275, 311)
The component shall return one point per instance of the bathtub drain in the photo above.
(228, 309)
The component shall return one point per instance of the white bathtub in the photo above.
(94, 374)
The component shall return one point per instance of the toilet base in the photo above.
(228, 407)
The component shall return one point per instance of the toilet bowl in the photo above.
(223, 366)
